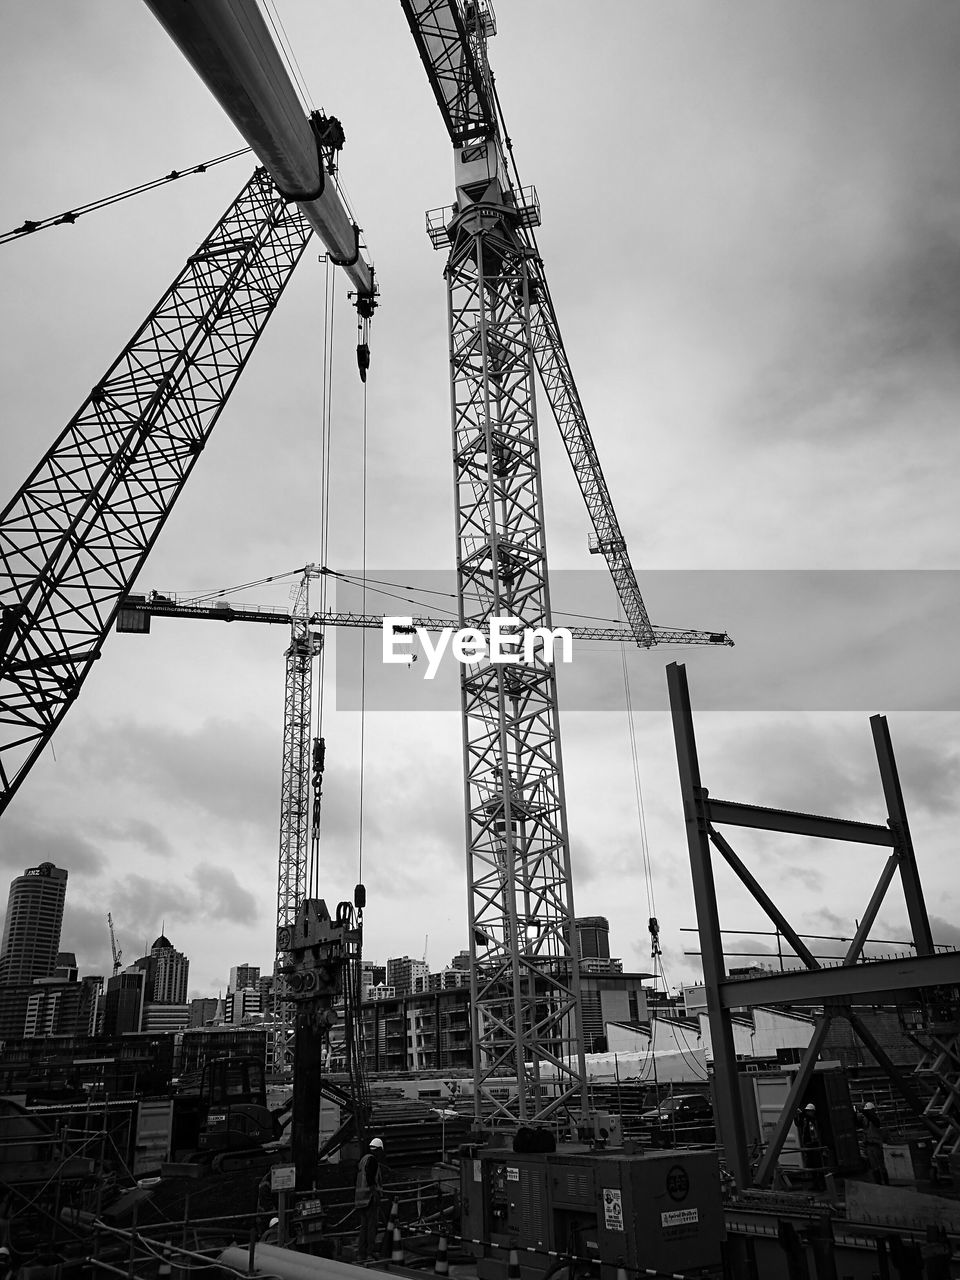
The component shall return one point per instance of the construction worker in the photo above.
(367, 1199)
(811, 1147)
(874, 1136)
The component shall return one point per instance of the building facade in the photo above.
(429, 1031)
(407, 976)
(31, 930)
(166, 973)
(243, 976)
(123, 1002)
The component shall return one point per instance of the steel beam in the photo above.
(871, 982)
(768, 1161)
(765, 901)
(801, 824)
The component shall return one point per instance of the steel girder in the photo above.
(76, 534)
(525, 978)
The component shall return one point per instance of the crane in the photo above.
(117, 953)
(75, 536)
(502, 327)
(77, 532)
(303, 756)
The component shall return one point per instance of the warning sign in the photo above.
(283, 1177)
(612, 1209)
(513, 1175)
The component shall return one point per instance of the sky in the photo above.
(751, 229)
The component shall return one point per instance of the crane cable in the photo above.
(326, 418)
(66, 219)
(685, 1049)
(363, 635)
(638, 789)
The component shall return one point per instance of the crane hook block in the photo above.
(363, 359)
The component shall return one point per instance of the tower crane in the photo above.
(75, 536)
(303, 756)
(117, 953)
(502, 327)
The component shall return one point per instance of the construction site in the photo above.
(768, 1087)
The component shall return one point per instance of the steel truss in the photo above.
(294, 808)
(75, 536)
(834, 989)
(525, 979)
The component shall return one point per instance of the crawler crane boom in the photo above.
(229, 46)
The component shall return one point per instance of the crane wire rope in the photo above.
(29, 226)
(685, 1049)
(637, 786)
(289, 57)
(363, 634)
(326, 382)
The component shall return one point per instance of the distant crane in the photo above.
(117, 953)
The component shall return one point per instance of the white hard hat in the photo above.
(868, 1106)
(376, 1144)
(274, 1222)
(809, 1107)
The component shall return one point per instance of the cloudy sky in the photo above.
(751, 226)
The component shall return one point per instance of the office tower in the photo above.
(166, 973)
(593, 936)
(243, 976)
(31, 931)
(403, 973)
(123, 1003)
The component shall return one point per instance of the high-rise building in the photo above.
(123, 1002)
(244, 976)
(593, 937)
(31, 931)
(403, 974)
(203, 1010)
(240, 1005)
(167, 971)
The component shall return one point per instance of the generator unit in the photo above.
(657, 1209)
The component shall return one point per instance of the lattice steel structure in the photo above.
(295, 797)
(526, 998)
(76, 534)
(502, 326)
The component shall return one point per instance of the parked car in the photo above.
(684, 1119)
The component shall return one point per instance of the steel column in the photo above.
(725, 1077)
(897, 816)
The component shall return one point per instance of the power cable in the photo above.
(67, 219)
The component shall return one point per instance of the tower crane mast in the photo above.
(525, 982)
(117, 953)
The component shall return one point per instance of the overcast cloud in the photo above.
(751, 226)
